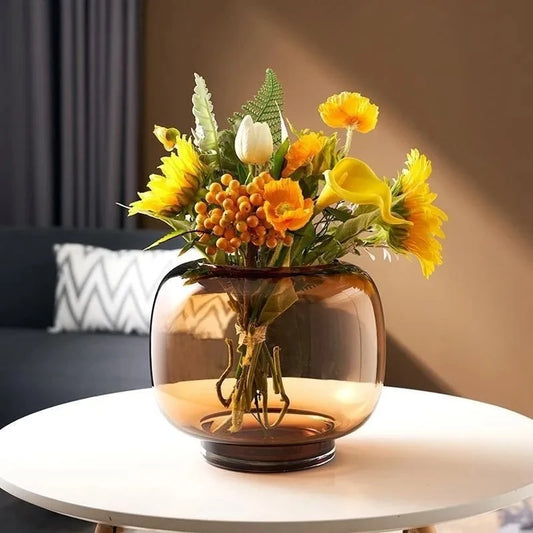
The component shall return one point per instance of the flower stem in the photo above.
(348, 144)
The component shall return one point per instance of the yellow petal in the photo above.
(354, 181)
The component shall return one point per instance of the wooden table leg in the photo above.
(104, 528)
(425, 529)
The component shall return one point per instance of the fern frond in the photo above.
(266, 106)
(206, 131)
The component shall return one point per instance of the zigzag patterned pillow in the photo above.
(106, 290)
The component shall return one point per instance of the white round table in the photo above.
(422, 458)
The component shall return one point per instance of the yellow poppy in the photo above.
(416, 205)
(302, 151)
(354, 181)
(170, 193)
(349, 110)
(285, 207)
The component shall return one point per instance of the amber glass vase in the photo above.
(267, 366)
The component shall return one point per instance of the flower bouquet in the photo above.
(254, 196)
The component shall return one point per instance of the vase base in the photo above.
(287, 458)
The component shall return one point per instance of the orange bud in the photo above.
(222, 243)
(229, 233)
(228, 203)
(226, 179)
(241, 226)
(236, 242)
(245, 207)
(258, 240)
(288, 240)
(256, 199)
(252, 188)
(229, 215)
(252, 221)
(271, 242)
(200, 208)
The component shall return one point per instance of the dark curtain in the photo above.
(69, 111)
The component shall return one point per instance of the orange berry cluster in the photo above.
(233, 214)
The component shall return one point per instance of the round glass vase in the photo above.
(267, 366)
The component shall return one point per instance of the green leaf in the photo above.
(278, 158)
(309, 184)
(281, 298)
(205, 133)
(266, 106)
(341, 214)
(242, 173)
(188, 246)
(302, 239)
(165, 238)
(356, 225)
(178, 224)
(327, 157)
(228, 158)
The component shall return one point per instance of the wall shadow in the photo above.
(403, 370)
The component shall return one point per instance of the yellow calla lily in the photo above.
(354, 181)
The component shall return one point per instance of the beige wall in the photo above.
(452, 77)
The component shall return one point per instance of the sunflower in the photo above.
(415, 203)
(302, 152)
(176, 189)
(349, 110)
(285, 207)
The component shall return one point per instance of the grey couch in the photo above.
(39, 369)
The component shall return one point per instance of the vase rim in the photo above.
(335, 267)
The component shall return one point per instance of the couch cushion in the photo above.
(109, 290)
(28, 269)
(40, 369)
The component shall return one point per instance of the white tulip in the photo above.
(253, 142)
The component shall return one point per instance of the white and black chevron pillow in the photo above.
(108, 290)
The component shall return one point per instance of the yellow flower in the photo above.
(176, 189)
(302, 151)
(285, 207)
(354, 181)
(166, 136)
(349, 110)
(416, 205)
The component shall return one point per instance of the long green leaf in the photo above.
(265, 106)
(206, 131)
(356, 225)
(165, 238)
(281, 298)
